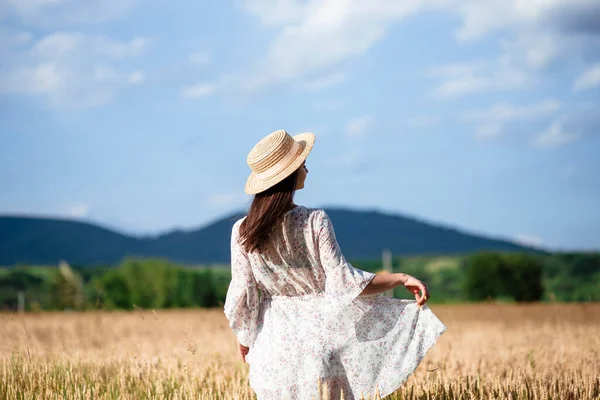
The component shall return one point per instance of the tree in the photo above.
(205, 291)
(524, 281)
(117, 293)
(19, 280)
(490, 275)
(585, 265)
(484, 276)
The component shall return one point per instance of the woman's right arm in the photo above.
(384, 282)
(347, 282)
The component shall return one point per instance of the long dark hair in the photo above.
(265, 211)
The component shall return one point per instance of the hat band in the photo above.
(279, 165)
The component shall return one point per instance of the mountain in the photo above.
(361, 234)
(27, 240)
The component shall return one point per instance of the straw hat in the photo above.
(276, 157)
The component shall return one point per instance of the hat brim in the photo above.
(255, 185)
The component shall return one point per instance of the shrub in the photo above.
(492, 275)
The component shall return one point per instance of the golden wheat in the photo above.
(544, 351)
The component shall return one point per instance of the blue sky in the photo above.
(139, 115)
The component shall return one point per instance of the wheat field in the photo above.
(490, 351)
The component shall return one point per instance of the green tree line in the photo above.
(154, 284)
(563, 277)
(145, 284)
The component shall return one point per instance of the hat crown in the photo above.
(269, 151)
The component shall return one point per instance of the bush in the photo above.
(485, 276)
(159, 284)
(492, 275)
(524, 277)
(115, 291)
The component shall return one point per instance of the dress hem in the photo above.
(437, 335)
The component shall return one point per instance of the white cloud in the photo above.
(277, 12)
(67, 69)
(198, 90)
(554, 136)
(199, 58)
(79, 210)
(357, 127)
(423, 121)
(458, 80)
(70, 69)
(136, 77)
(61, 13)
(529, 240)
(590, 78)
(68, 44)
(9, 39)
(315, 37)
(507, 112)
(488, 131)
(574, 123)
(324, 81)
(537, 35)
(492, 120)
(23, 37)
(467, 68)
(481, 18)
(536, 50)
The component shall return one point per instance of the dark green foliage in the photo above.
(134, 283)
(485, 276)
(492, 275)
(21, 279)
(114, 291)
(146, 282)
(573, 276)
(159, 283)
(447, 285)
(524, 277)
(584, 265)
(180, 290)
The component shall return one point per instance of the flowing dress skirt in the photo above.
(372, 344)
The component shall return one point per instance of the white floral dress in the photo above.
(296, 305)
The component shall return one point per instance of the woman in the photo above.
(308, 323)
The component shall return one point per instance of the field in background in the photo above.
(490, 351)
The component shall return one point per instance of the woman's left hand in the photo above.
(243, 351)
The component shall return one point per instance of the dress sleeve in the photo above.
(242, 300)
(343, 282)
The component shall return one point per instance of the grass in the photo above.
(490, 351)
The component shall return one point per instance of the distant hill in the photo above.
(26, 240)
(361, 234)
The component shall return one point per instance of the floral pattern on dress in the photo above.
(297, 305)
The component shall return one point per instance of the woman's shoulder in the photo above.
(237, 223)
(307, 210)
(312, 214)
